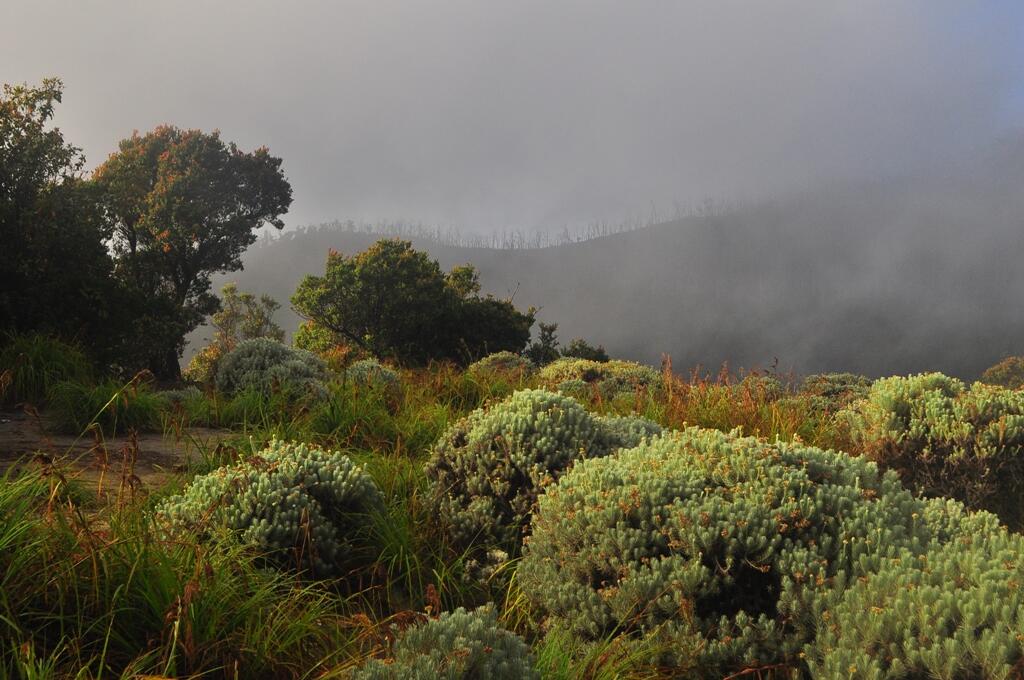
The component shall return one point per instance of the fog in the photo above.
(536, 115)
(872, 154)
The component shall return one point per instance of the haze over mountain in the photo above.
(879, 278)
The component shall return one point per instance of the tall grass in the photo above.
(34, 363)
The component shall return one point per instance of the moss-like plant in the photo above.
(829, 393)
(298, 506)
(723, 545)
(371, 374)
(954, 612)
(508, 365)
(267, 365)
(459, 645)
(488, 468)
(1008, 373)
(945, 439)
(610, 377)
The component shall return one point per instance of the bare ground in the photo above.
(152, 459)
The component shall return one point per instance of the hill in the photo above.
(882, 278)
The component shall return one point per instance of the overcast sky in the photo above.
(523, 114)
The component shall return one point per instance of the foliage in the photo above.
(578, 348)
(55, 270)
(544, 349)
(265, 365)
(610, 377)
(35, 364)
(394, 302)
(945, 439)
(458, 645)
(765, 386)
(1008, 373)
(954, 612)
(111, 406)
(488, 468)
(832, 392)
(370, 374)
(241, 317)
(182, 205)
(298, 505)
(723, 546)
(508, 365)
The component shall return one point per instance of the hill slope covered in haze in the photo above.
(883, 278)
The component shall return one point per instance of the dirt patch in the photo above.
(157, 457)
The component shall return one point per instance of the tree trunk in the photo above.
(165, 366)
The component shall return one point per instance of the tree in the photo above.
(395, 302)
(242, 316)
(183, 205)
(55, 270)
(578, 348)
(544, 349)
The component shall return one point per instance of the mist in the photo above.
(535, 115)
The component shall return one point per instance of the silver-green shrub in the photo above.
(945, 439)
(299, 506)
(371, 374)
(610, 377)
(724, 545)
(954, 612)
(505, 364)
(459, 645)
(488, 468)
(264, 365)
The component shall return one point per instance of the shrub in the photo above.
(723, 545)
(266, 365)
(370, 374)
(1008, 373)
(300, 506)
(508, 365)
(180, 396)
(831, 392)
(947, 440)
(581, 349)
(954, 612)
(459, 645)
(34, 364)
(488, 468)
(202, 367)
(611, 377)
(761, 387)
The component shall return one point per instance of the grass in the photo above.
(31, 365)
(92, 588)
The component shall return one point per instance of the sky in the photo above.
(532, 115)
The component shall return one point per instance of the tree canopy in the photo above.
(395, 302)
(183, 205)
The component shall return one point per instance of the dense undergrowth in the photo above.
(641, 525)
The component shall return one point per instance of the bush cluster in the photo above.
(726, 547)
(945, 439)
(829, 393)
(955, 611)
(459, 645)
(1008, 373)
(506, 365)
(488, 468)
(609, 377)
(265, 365)
(299, 506)
(371, 374)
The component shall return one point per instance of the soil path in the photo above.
(158, 457)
